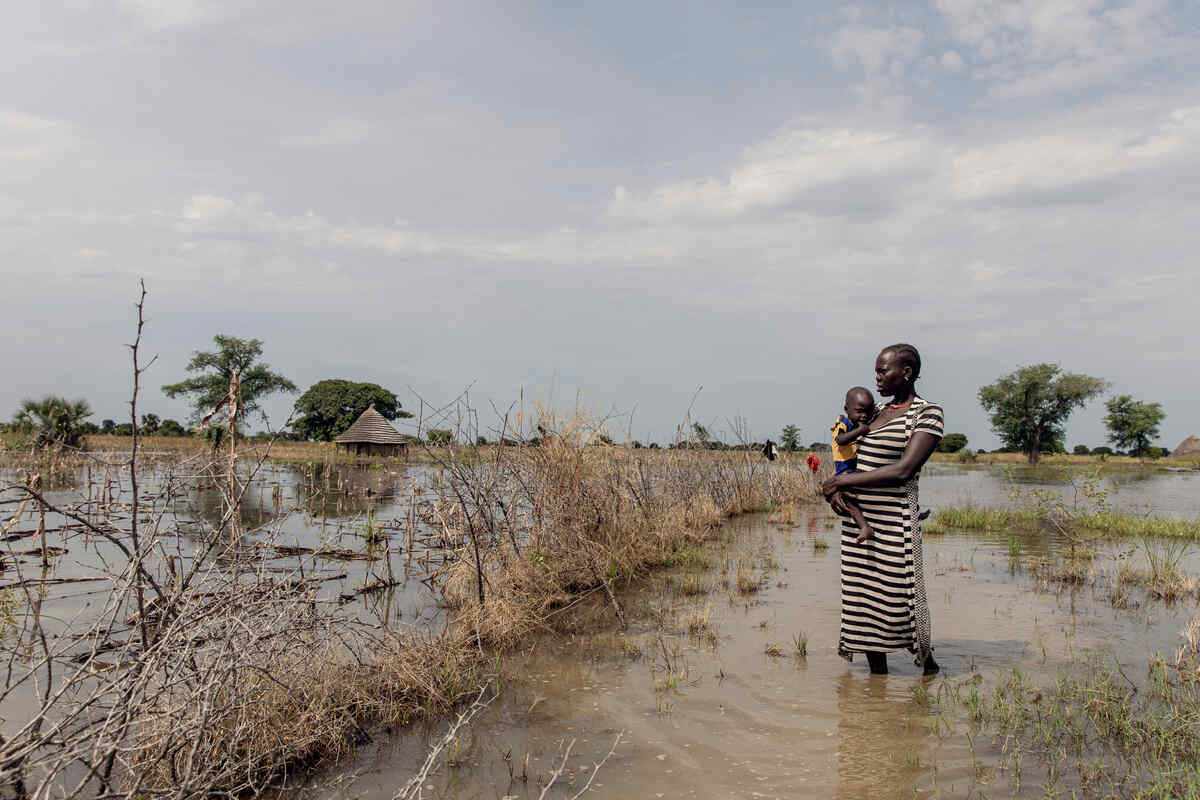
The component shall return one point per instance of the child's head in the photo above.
(860, 405)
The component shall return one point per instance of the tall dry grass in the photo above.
(539, 526)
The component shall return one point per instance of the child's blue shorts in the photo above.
(845, 466)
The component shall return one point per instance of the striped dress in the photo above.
(883, 585)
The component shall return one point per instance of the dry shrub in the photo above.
(545, 524)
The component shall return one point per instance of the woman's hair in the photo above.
(908, 355)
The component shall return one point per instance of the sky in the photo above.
(637, 208)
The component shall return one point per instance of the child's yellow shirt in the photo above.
(843, 452)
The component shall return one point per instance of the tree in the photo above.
(1132, 424)
(440, 437)
(149, 424)
(789, 438)
(1029, 407)
(107, 426)
(53, 420)
(330, 406)
(215, 370)
(1080, 450)
(170, 427)
(952, 443)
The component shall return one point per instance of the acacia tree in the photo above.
(952, 443)
(53, 420)
(789, 438)
(214, 370)
(330, 406)
(1132, 424)
(1030, 407)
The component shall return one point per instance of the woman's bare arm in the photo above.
(920, 446)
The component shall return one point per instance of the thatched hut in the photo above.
(1189, 447)
(372, 435)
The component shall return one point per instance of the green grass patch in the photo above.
(1113, 524)
(1093, 731)
(689, 556)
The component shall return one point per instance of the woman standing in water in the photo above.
(883, 586)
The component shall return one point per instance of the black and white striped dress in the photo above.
(883, 584)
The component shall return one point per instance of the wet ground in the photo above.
(727, 709)
(732, 711)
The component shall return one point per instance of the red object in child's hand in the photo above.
(814, 463)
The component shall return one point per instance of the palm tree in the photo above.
(53, 420)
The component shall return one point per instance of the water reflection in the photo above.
(882, 738)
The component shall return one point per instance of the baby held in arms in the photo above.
(849, 428)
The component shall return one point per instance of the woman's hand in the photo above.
(831, 485)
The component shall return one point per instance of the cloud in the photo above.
(951, 61)
(341, 132)
(798, 168)
(1033, 47)
(26, 137)
(874, 49)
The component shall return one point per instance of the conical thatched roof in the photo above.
(1188, 447)
(370, 428)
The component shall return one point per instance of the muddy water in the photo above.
(705, 716)
(1168, 492)
(719, 717)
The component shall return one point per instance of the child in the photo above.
(849, 428)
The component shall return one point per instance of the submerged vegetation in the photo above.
(1090, 731)
(1087, 513)
(221, 669)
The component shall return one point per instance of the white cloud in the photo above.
(874, 49)
(951, 61)
(341, 132)
(208, 207)
(159, 15)
(1032, 47)
(26, 137)
(781, 172)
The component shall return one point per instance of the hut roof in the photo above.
(371, 427)
(1188, 447)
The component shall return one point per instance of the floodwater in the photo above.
(707, 714)
(718, 716)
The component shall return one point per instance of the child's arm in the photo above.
(853, 434)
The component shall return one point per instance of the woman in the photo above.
(883, 587)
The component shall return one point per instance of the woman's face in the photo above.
(890, 375)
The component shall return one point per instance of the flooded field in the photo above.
(730, 708)
(725, 682)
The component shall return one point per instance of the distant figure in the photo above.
(769, 450)
(848, 429)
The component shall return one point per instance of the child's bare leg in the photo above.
(856, 514)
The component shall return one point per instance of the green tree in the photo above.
(1030, 407)
(1080, 450)
(952, 443)
(170, 427)
(440, 437)
(330, 406)
(53, 420)
(1132, 424)
(149, 424)
(107, 426)
(789, 438)
(215, 369)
